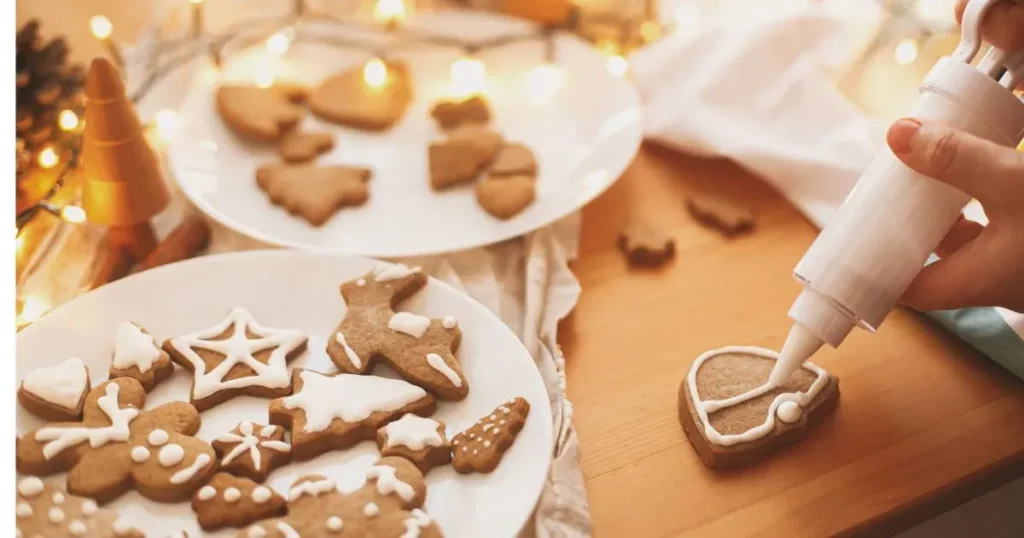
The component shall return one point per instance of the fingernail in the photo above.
(901, 135)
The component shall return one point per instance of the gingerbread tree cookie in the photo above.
(347, 99)
(387, 506)
(337, 411)
(46, 510)
(137, 355)
(419, 440)
(229, 501)
(252, 450)
(480, 448)
(420, 349)
(237, 356)
(314, 192)
(116, 447)
(56, 392)
(256, 112)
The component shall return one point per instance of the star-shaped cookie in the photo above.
(252, 450)
(314, 192)
(256, 112)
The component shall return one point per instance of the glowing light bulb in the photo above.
(278, 44)
(375, 73)
(617, 65)
(167, 123)
(196, 1)
(73, 214)
(545, 81)
(48, 158)
(32, 309)
(67, 120)
(906, 52)
(389, 11)
(265, 80)
(650, 30)
(469, 76)
(100, 27)
(608, 48)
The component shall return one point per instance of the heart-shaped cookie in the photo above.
(733, 416)
(347, 99)
(56, 392)
(506, 197)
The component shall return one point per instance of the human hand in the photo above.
(1003, 25)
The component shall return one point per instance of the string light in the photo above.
(48, 158)
(650, 31)
(167, 122)
(389, 11)
(469, 76)
(67, 120)
(73, 214)
(265, 80)
(544, 82)
(32, 309)
(617, 65)
(375, 73)
(100, 27)
(906, 52)
(278, 44)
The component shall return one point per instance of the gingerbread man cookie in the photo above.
(347, 99)
(46, 510)
(229, 501)
(299, 146)
(387, 506)
(56, 392)
(237, 356)
(253, 450)
(337, 411)
(451, 113)
(116, 447)
(480, 448)
(420, 349)
(313, 192)
(419, 440)
(137, 355)
(256, 112)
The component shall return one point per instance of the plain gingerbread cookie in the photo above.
(301, 146)
(257, 113)
(451, 113)
(314, 192)
(345, 98)
(506, 196)
(56, 392)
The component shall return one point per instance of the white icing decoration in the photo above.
(349, 352)
(388, 482)
(62, 384)
(77, 528)
(417, 520)
(56, 515)
(30, 486)
(455, 442)
(140, 454)
(449, 322)
(501, 422)
(488, 426)
(89, 507)
(487, 443)
(132, 347)
(158, 437)
(257, 532)
(58, 498)
(287, 530)
(371, 509)
(239, 349)
(122, 527)
(361, 282)
(232, 494)
(23, 509)
(206, 493)
(261, 494)
(705, 408)
(393, 271)
(437, 362)
(251, 443)
(414, 432)
(171, 455)
(335, 524)
(408, 323)
(267, 431)
(348, 397)
(61, 438)
(475, 451)
(314, 488)
(789, 412)
(496, 431)
(186, 474)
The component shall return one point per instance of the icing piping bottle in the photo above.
(858, 267)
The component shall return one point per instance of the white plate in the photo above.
(584, 136)
(294, 289)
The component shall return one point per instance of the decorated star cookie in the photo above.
(299, 146)
(116, 447)
(506, 196)
(347, 99)
(50, 511)
(314, 192)
(256, 112)
(252, 450)
(137, 355)
(230, 501)
(420, 349)
(237, 356)
(643, 244)
(337, 411)
(56, 392)
(419, 440)
(733, 416)
(387, 506)
(452, 113)
(480, 448)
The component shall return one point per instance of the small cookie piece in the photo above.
(721, 214)
(313, 192)
(257, 113)
(507, 196)
(116, 447)
(450, 113)
(329, 412)
(237, 356)
(137, 355)
(514, 160)
(419, 440)
(298, 146)
(733, 416)
(47, 510)
(480, 448)
(644, 245)
(230, 501)
(56, 392)
(252, 450)
(347, 99)
(420, 349)
(386, 506)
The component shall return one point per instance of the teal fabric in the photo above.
(988, 332)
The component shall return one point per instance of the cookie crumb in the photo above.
(726, 216)
(644, 245)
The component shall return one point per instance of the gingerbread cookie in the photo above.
(56, 392)
(387, 506)
(480, 448)
(733, 416)
(313, 192)
(47, 510)
(337, 411)
(116, 447)
(237, 356)
(252, 450)
(506, 196)
(419, 440)
(721, 214)
(644, 245)
(137, 355)
(298, 146)
(255, 112)
(420, 349)
(450, 113)
(295, 92)
(229, 501)
(460, 157)
(514, 160)
(347, 99)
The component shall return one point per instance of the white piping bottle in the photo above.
(868, 254)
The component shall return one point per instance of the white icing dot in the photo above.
(158, 437)
(257, 532)
(206, 493)
(24, 509)
(472, 436)
(122, 527)
(140, 454)
(455, 442)
(77, 528)
(449, 322)
(789, 411)
(171, 454)
(371, 510)
(56, 515)
(465, 448)
(496, 430)
(494, 417)
(261, 494)
(232, 494)
(487, 443)
(361, 282)
(501, 422)
(504, 410)
(245, 428)
(335, 523)
(30, 486)
(59, 498)
(89, 507)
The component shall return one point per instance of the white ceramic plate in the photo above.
(584, 136)
(294, 289)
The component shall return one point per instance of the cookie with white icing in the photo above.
(116, 447)
(420, 349)
(237, 356)
(733, 416)
(46, 510)
(56, 392)
(420, 440)
(479, 448)
(230, 501)
(252, 450)
(137, 355)
(388, 505)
